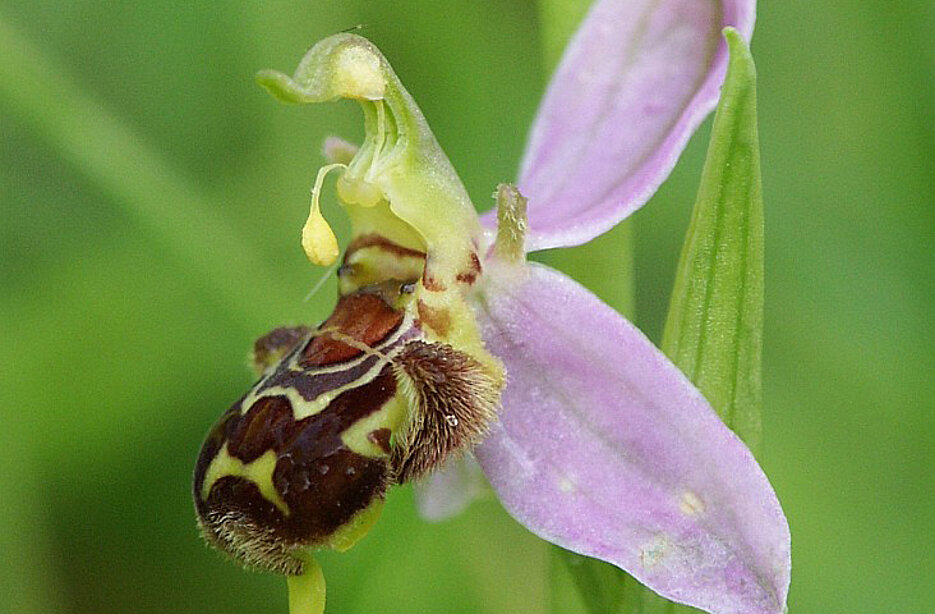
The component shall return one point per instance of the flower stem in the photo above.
(307, 591)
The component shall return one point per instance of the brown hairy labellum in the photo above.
(453, 400)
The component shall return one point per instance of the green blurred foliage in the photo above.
(118, 353)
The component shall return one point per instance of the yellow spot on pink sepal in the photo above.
(567, 485)
(691, 504)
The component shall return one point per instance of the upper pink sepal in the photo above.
(606, 449)
(635, 82)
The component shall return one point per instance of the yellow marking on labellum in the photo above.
(348, 340)
(287, 391)
(367, 352)
(691, 504)
(304, 409)
(318, 240)
(259, 471)
(390, 416)
(317, 404)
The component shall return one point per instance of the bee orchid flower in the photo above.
(446, 340)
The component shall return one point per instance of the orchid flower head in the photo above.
(446, 341)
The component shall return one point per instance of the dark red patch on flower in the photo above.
(321, 482)
(366, 318)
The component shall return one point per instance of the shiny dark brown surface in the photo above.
(322, 482)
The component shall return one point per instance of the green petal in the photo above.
(714, 330)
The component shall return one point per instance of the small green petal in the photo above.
(714, 330)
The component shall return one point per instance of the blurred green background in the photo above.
(151, 197)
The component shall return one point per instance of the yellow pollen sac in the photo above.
(359, 192)
(318, 240)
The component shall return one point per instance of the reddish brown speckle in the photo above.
(438, 320)
(433, 285)
(470, 276)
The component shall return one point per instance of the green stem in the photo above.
(558, 20)
(307, 591)
(162, 202)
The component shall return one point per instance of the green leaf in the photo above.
(714, 328)
(580, 584)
